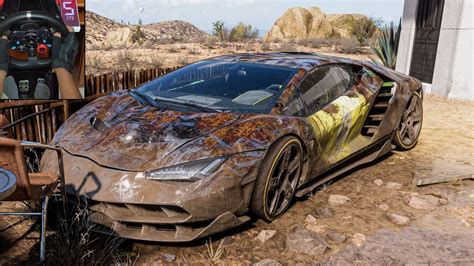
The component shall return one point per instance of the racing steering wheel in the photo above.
(32, 59)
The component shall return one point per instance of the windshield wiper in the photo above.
(189, 104)
(143, 98)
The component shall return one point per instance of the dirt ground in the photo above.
(180, 54)
(440, 231)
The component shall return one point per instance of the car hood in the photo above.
(118, 132)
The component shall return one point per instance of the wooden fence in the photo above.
(32, 120)
(97, 85)
(38, 120)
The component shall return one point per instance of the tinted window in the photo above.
(324, 85)
(295, 106)
(226, 86)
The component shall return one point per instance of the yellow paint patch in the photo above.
(335, 131)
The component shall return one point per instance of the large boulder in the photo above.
(293, 24)
(343, 24)
(320, 26)
(120, 36)
(299, 23)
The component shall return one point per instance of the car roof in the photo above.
(305, 61)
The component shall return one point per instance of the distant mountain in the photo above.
(101, 30)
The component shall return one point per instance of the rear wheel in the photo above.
(277, 179)
(410, 126)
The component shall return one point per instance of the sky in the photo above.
(259, 13)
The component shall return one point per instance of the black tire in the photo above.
(409, 129)
(277, 178)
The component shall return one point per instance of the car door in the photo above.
(336, 113)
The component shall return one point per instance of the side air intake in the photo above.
(379, 108)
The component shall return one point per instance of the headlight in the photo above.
(191, 171)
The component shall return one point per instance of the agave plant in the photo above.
(386, 45)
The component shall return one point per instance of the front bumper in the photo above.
(142, 209)
(166, 232)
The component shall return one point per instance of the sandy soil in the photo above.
(172, 55)
(441, 235)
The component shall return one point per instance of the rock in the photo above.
(319, 229)
(343, 24)
(398, 219)
(358, 239)
(120, 36)
(303, 241)
(320, 26)
(310, 219)
(378, 182)
(427, 202)
(393, 185)
(383, 207)
(338, 200)
(169, 257)
(443, 201)
(324, 212)
(265, 235)
(335, 237)
(267, 262)
(293, 24)
(300, 23)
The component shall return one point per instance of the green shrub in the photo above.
(364, 29)
(243, 32)
(386, 45)
(138, 36)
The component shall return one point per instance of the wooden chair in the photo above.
(38, 187)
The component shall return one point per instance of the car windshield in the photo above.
(219, 86)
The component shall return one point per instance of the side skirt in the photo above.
(386, 146)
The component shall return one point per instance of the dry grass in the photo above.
(172, 55)
(356, 188)
(215, 256)
(348, 46)
(126, 59)
(288, 47)
(129, 259)
(154, 60)
(265, 47)
(194, 51)
(75, 243)
(173, 49)
(94, 62)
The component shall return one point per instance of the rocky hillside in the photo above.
(302, 23)
(101, 30)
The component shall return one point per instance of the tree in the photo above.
(243, 32)
(218, 30)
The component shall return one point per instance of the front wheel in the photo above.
(409, 130)
(277, 179)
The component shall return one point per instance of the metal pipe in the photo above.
(44, 220)
(20, 213)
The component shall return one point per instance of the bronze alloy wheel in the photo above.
(410, 126)
(278, 178)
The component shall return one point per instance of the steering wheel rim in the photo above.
(27, 16)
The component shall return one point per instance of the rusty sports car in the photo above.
(199, 150)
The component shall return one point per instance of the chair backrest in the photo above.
(13, 160)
